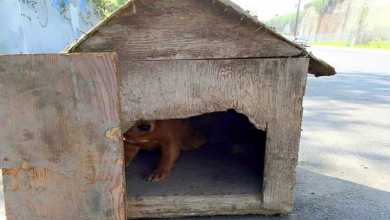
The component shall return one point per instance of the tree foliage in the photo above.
(102, 8)
(105, 7)
(287, 20)
(322, 6)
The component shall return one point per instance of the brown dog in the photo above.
(170, 136)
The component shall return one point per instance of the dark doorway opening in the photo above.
(231, 162)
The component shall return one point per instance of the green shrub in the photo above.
(377, 43)
(322, 6)
(282, 21)
(332, 44)
(105, 7)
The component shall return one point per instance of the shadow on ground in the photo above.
(330, 198)
(346, 122)
(352, 87)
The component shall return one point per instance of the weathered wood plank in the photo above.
(190, 29)
(183, 88)
(177, 206)
(57, 162)
(283, 135)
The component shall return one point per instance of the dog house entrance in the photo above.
(229, 163)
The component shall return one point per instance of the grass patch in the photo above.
(375, 44)
(322, 6)
(331, 44)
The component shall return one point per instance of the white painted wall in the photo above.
(37, 26)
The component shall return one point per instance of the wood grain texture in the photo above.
(183, 88)
(57, 161)
(268, 91)
(177, 206)
(190, 29)
(177, 42)
(283, 135)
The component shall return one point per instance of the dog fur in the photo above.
(169, 136)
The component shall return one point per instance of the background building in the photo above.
(43, 26)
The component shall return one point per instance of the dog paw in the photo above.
(157, 175)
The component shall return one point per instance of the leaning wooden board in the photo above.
(62, 154)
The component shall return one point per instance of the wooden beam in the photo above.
(178, 206)
(283, 135)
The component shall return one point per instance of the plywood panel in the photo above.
(57, 161)
(183, 88)
(185, 29)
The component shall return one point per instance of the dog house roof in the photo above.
(200, 26)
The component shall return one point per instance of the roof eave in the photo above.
(317, 66)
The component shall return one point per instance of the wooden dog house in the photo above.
(176, 59)
(183, 58)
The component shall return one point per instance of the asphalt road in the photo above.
(346, 123)
(344, 158)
